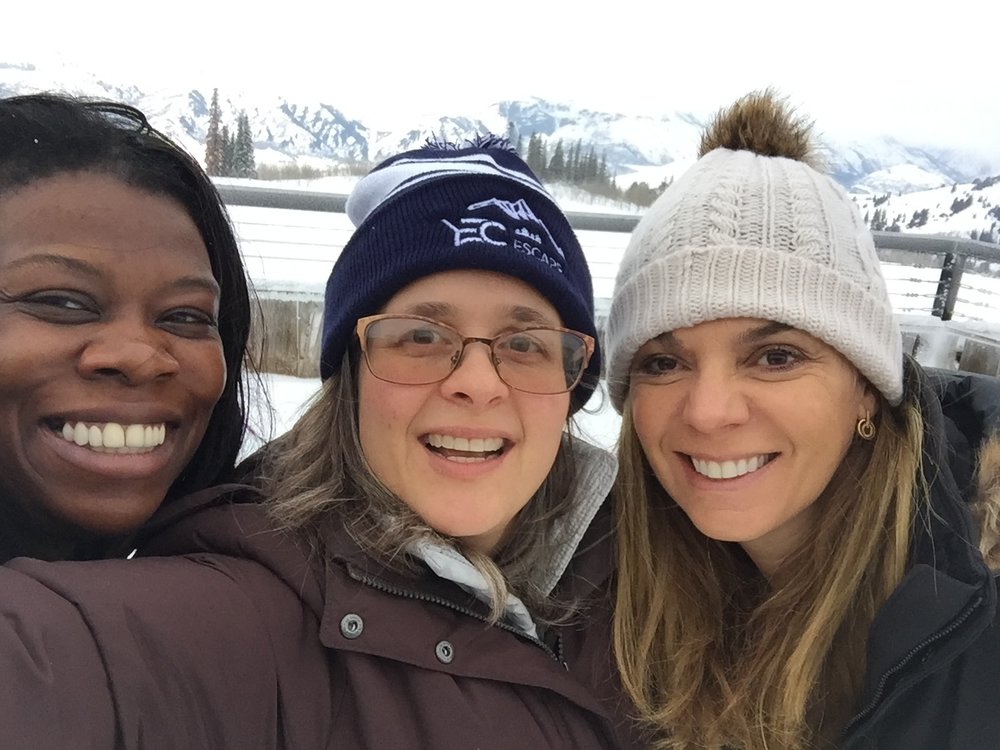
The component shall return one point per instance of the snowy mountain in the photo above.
(637, 148)
(967, 210)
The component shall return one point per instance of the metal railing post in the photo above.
(949, 283)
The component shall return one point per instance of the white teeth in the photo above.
(729, 469)
(135, 436)
(469, 445)
(114, 437)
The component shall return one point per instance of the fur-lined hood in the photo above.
(986, 507)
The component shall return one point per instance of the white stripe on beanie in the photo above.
(382, 184)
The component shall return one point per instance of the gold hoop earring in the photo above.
(865, 427)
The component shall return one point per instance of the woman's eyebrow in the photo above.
(76, 265)
(206, 283)
(528, 315)
(754, 335)
(750, 336)
(436, 310)
(54, 259)
(443, 311)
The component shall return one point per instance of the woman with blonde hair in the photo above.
(797, 560)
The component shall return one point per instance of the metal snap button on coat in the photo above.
(445, 652)
(351, 626)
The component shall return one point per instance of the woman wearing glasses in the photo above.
(434, 473)
(439, 530)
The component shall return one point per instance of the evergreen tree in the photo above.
(557, 165)
(573, 164)
(228, 153)
(640, 193)
(590, 168)
(511, 133)
(878, 220)
(919, 218)
(213, 139)
(960, 204)
(534, 159)
(244, 163)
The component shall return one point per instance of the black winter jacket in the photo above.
(933, 672)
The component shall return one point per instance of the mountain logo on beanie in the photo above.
(507, 224)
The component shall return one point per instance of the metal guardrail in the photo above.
(308, 200)
(261, 196)
(956, 255)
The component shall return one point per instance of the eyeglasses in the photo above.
(412, 350)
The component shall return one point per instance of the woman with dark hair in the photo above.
(805, 557)
(431, 536)
(124, 316)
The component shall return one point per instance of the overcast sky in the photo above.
(855, 66)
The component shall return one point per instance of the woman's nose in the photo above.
(715, 401)
(133, 354)
(475, 378)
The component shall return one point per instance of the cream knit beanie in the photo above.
(752, 233)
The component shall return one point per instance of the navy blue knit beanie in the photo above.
(444, 208)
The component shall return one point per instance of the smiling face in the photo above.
(744, 423)
(110, 360)
(467, 453)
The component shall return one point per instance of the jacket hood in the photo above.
(955, 430)
(969, 432)
(971, 407)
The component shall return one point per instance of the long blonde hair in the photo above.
(316, 474)
(715, 656)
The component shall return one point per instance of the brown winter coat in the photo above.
(256, 643)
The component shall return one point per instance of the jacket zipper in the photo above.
(419, 596)
(899, 666)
